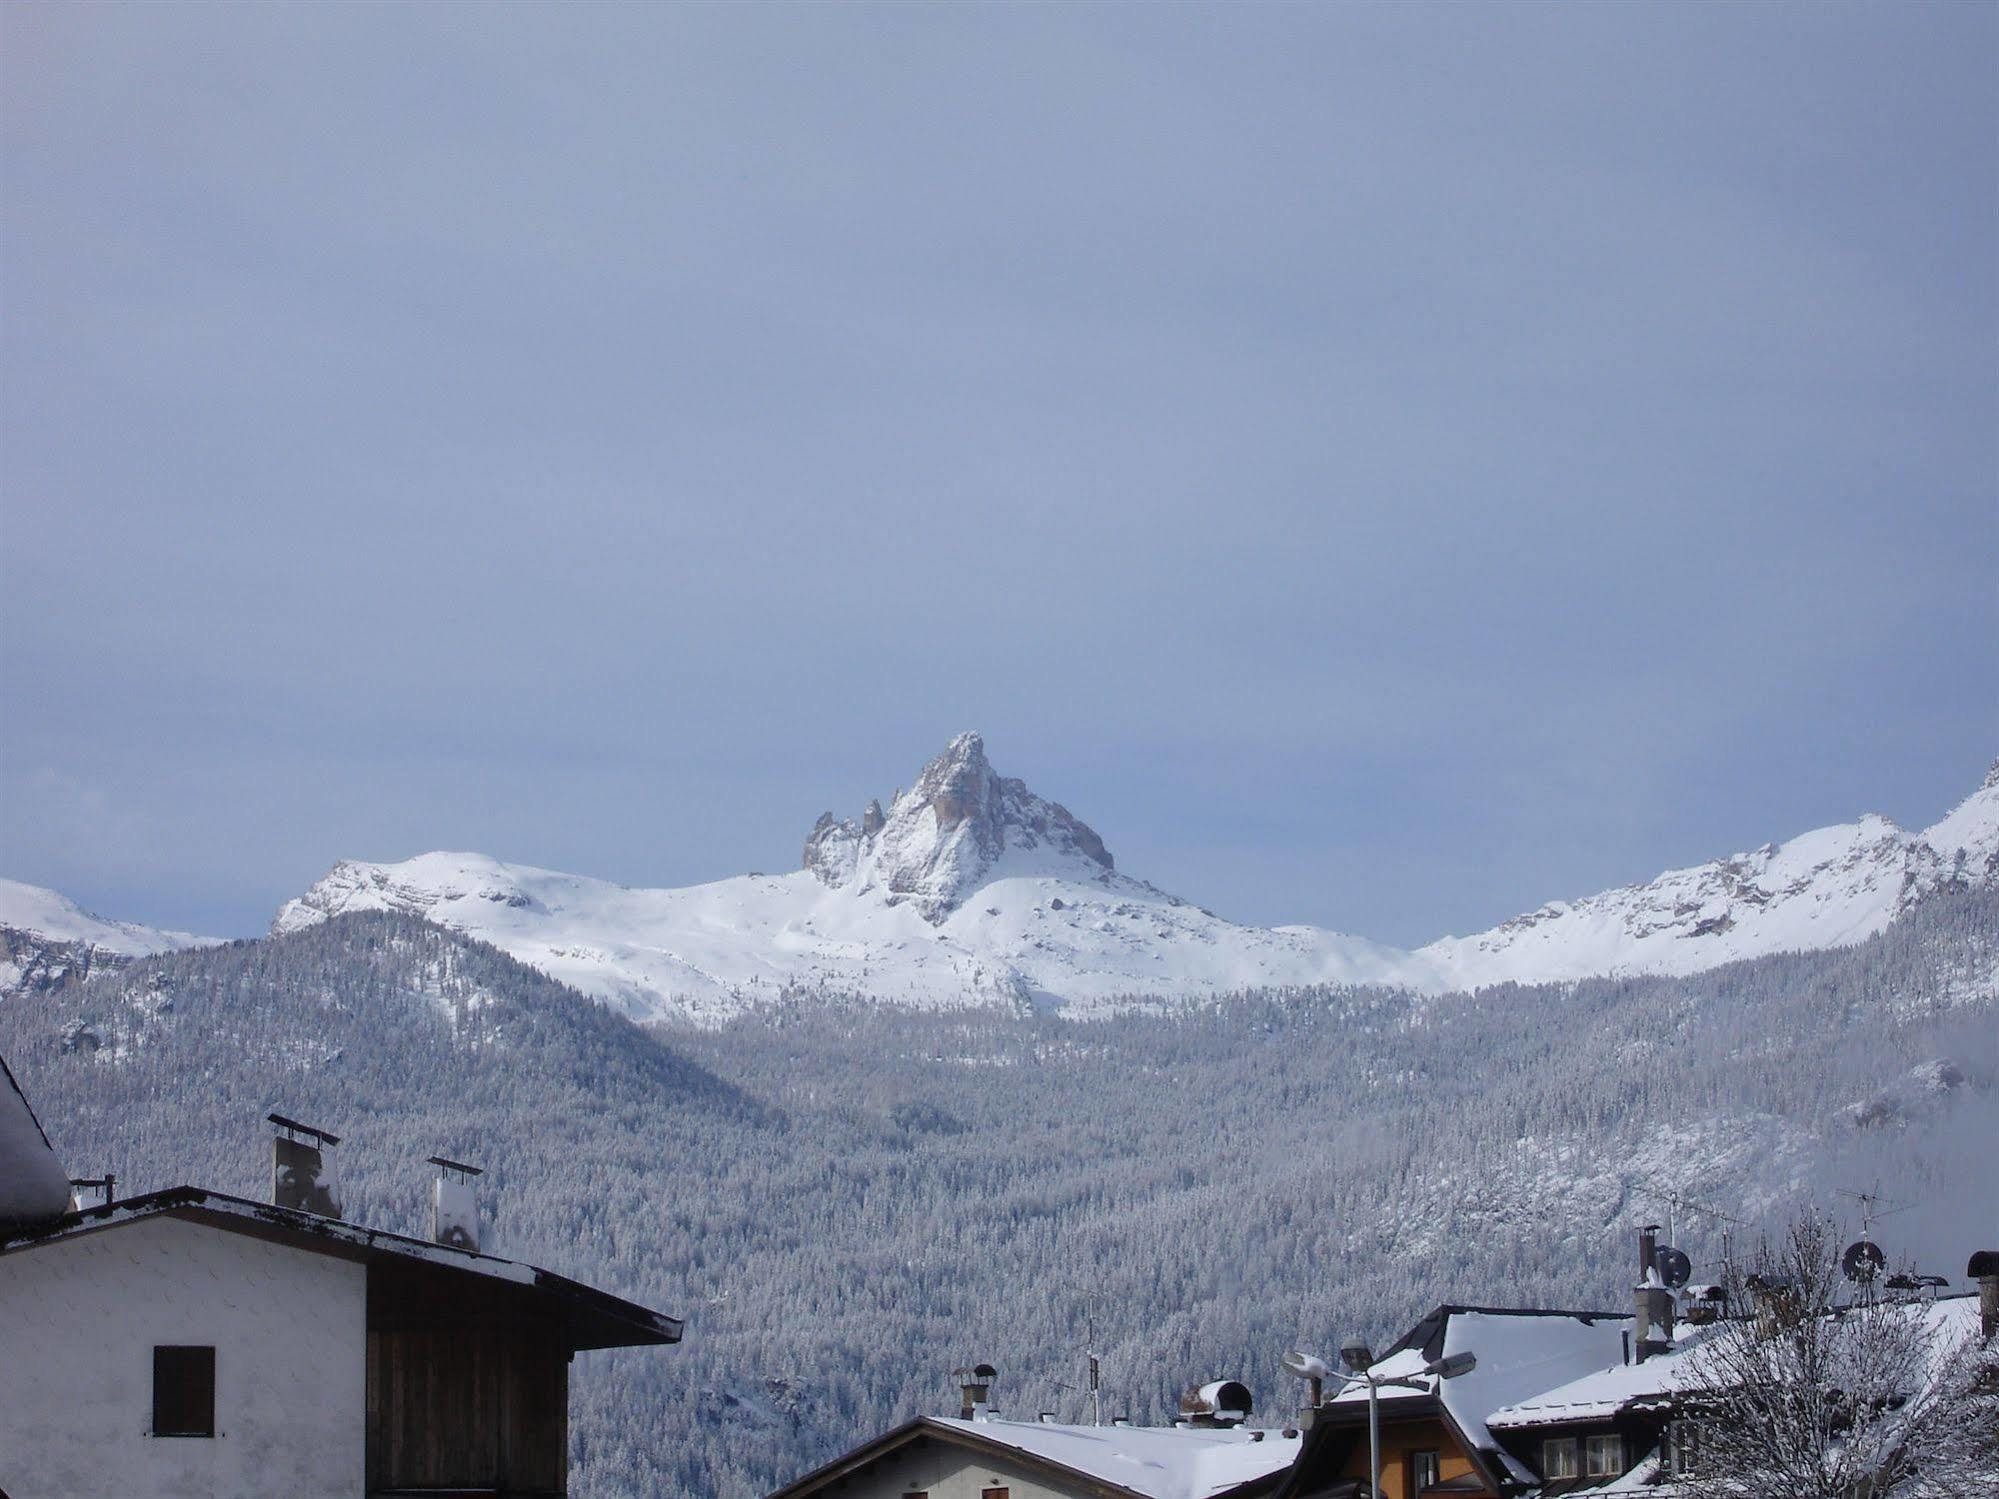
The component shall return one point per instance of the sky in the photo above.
(1383, 466)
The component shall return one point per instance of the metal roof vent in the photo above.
(454, 1204)
(300, 1178)
(1220, 1402)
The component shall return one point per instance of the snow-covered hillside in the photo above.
(45, 937)
(971, 889)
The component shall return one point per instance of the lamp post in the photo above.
(1359, 1360)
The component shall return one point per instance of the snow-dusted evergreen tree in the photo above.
(847, 1201)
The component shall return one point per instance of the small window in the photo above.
(999, 1493)
(1425, 1469)
(917, 1494)
(1558, 1458)
(183, 1391)
(1603, 1457)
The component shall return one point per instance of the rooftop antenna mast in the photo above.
(1863, 1261)
(1095, 1368)
(1680, 1202)
(1873, 1207)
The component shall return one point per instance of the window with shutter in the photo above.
(183, 1391)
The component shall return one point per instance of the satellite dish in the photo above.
(1862, 1261)
(1675, 1269)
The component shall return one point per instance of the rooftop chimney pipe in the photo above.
(299, 1178)
(1652, 1327)
(1984, 1268)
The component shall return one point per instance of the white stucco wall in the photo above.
(79, 1319)
(946, 1472)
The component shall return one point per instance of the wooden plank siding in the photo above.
(468, 1388)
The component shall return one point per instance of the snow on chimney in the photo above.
(454, 1204)
(1652, 1299)
(1220, 1402)
(975, 1385)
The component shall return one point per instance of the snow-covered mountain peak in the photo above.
(970, 889)
(961, 825)
(1966, 839)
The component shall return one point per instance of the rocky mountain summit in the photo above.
(970, 889)
(952, 833)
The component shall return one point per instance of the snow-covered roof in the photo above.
(1519, 1353)
(1164, 1462)
(1151, 1462)
(1602, 1393)
(1599, 1394)
(592, 1318)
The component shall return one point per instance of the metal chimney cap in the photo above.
(302, 1129)
(450, 1165)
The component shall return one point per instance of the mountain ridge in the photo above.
(971, 889)
(46, 938)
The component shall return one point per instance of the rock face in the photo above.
(961, 825)
(47, 939)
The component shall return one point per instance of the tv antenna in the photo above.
(1873, 1208)
(1679, 1202)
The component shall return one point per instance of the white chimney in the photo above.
(454, 1204)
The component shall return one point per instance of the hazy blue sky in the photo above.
(1383, 466)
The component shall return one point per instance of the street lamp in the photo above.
(1355, 1354)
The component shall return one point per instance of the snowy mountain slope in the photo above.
(971, 889)
(45, 937)
(1828, 888)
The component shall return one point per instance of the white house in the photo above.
(192, 1343)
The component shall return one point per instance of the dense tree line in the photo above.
(847, 1200)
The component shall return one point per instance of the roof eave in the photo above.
(627, 1323)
